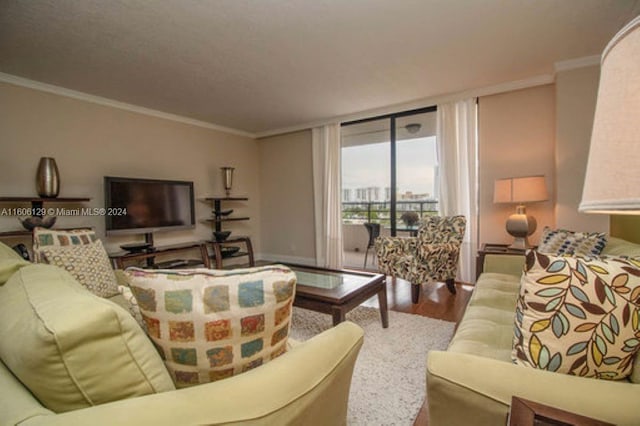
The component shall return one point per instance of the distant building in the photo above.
(371, 193)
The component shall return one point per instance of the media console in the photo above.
(120, 258)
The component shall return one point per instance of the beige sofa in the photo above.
(473, 381)
(307, 385)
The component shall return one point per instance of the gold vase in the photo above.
(47, 178)
(227, 176)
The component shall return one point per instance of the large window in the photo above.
(390, 170)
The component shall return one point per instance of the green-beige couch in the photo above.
(472, 383)
(90, 349)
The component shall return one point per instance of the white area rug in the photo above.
(388, 386)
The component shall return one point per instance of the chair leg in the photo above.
(451, 285)
(366, 253)
(415, 293)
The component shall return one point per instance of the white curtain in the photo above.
(326, 193)
(457, 140)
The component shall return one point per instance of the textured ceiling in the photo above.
(263, 65)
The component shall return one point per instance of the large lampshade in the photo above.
(612, 181)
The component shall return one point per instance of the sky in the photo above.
(368, 165)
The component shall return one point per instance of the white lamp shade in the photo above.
(526, 189)
(612, 181)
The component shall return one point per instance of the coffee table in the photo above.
(336, 292)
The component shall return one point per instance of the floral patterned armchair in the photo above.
(430, 257)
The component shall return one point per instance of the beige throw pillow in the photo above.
(578, 316)
(71, 349)
(209, 324)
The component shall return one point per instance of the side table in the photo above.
(528, 413)
(491, 248)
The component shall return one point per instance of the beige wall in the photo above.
(286, 187)
(576, 93)
(516, 138)
(90, 141)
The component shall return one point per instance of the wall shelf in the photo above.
(37, 204)
(220, 216)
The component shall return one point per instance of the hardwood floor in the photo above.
(435, 302)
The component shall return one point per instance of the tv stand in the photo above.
(120, 258)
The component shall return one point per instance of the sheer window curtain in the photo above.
(326, 147)
(457, 140)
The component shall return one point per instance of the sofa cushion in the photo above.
(210, 324)
(487, 326)
(10, 262)
(562, 241)
(578, 315)
(79, 252)
(70, 348)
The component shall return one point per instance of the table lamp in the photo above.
(520, 190)
(612, 180)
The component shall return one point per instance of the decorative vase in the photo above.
(47, 178)
(227, 176)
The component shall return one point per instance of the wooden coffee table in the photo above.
(336, 292)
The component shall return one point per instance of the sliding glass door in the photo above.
(389, 176)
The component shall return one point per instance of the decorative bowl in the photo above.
(31, 222)
(221, 235)
(229, 251)
(223, 212)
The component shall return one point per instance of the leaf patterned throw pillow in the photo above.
(578, 316)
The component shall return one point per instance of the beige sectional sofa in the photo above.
(474, 380)
(92, 354)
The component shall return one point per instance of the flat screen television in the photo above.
(143, 206)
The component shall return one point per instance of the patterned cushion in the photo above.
(210, 325)
(578, 316)
(48, 237)
(561, 241)
(431, 256)
(131, 305)
(88, 263)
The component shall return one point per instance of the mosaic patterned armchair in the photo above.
(432, 256)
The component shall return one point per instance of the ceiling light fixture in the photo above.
(413, 127)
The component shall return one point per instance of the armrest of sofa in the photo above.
(504, 264)
(467, 389)
(307, 385)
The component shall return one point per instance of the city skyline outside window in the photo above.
(366, 173)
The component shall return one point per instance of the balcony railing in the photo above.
(378, 211)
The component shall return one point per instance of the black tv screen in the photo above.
(137, 206)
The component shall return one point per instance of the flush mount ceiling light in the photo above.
(413, 127)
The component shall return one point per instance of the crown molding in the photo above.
(57, 90)
(539, 80)
(570, 64)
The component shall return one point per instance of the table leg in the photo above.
(384, 311)
(338, 315)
